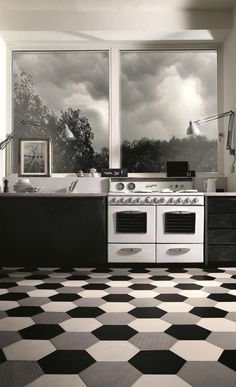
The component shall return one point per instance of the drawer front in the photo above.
(222, 221)
(219, 237)
(179, 253)
(221, 253)
(222, 205)
(131, 252)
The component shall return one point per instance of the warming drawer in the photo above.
(131, 252)
(179, 252)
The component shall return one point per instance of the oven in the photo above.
(155, 226)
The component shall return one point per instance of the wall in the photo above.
(230, 95)
(2, 105)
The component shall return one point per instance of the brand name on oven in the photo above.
(151, 186)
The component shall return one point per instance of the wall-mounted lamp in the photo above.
(194, 130)
(8, 139)
(66, 134)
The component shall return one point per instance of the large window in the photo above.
(161, 91)
(51, 89)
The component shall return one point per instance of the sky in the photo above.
(77, 80)
(160, 91)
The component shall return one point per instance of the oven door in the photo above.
(180, 224)
(131, 224)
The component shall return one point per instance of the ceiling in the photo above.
(115, 20)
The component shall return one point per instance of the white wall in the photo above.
(229, 86)
(2, 105)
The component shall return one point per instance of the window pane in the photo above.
(161, 91)
(51, 89)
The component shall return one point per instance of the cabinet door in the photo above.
(222, 205)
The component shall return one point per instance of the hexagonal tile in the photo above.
(74, 340)
(117, 374)
(57, 380)
(114, 332)
(118, 284)
(207, 374)
(160, 380)
(85, 312)
(6, 305)
(42, 293)
(188, 332)
(227, 306)
(175, 307)
(147, 312)
(222, 297)
(163, 284)
(118, 298)
(180, 318)
(89, 302)
(188, 286)
(50, 317)
(116, 307)
(171, 298)
(143, 294)
(217, 324)
(208, 312)
(74, 283)
(92, 293)
(15, 323)
(224, 340)
(194, 294)
(152, 341)
(157, 362)
(25, 311)
(66, 362)
(80, 324)
(161, 278)
(5, 295)
(64, 297)
(149, 325)
(55, 306)
(95, 286)
(198, 350)
(28, 350)
(19, 373)
(112, 350)
(115, 318)
(41, 332)
(228, 358)
(7, 338)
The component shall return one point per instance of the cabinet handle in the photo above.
(130, 250)
(178, 250)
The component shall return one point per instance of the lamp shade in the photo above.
(66, 134)
(193, 129)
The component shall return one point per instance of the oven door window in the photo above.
(134, 222)
(180, 222)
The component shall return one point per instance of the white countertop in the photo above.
(220, 193)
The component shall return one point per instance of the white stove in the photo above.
(158, 220)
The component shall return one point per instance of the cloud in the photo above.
(162, 91)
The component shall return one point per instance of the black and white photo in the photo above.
(34, 157)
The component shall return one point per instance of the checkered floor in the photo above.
(118, 327)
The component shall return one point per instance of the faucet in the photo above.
(72, 185)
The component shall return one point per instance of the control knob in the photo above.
(122, 200)
(162, 200)
(187, 201)
(156, 200)
(114, 200)
(171, 200)
(137, 200)
(195, 200)
(148, 199)
(179, 200)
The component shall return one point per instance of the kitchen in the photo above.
(68, 315)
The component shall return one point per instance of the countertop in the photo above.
(51, 194)
(220, 193)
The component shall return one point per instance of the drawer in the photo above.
(222, 221)
(219, 237)
(179, 253)
(222, 205)
(131, 252)
(221, 253)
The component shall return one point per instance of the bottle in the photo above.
(6, 186)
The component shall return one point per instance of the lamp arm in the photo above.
(230, 136)
(8, 139)
(215, 117)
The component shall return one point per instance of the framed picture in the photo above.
(34, 157)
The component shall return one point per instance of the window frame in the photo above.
(114, 131)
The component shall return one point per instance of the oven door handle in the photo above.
(178, 250)
(130, 250)
(179, 212)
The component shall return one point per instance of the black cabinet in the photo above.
(220, 238)
(53, 231)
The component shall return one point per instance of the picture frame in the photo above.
(34, 157)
